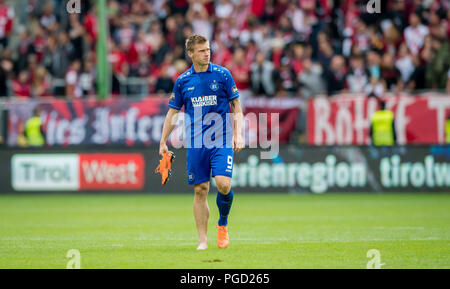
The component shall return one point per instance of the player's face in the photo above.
(201, 54)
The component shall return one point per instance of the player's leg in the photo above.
(224, 198)
(198, 173)
(222, 169)
(224, 201)
(201, 213)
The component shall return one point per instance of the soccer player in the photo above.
(209, 91)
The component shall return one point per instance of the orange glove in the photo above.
(165, 167)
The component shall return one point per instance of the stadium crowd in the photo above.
(272, 47)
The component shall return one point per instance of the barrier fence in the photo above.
(339, 120)
(297, 169)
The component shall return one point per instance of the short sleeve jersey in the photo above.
(205, 96)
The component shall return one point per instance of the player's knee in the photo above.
(224, 187)
(201, 190)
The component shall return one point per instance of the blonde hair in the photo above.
(193, 40)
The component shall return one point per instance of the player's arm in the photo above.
(238, 117)
(169, 124)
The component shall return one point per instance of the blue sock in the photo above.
(224, 204)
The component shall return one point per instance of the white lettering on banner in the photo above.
(348, 122)
(45, 172)
(317, 177)
(118, 127)
(118, 123)
(344, 129)
(109, 173)
(144, 124)
(62, 131)
(322, 113)
(131, 118)
(100, 124)
(401, 119)
(108, 128)
(361, 123)
(395, 173)
(441, 105)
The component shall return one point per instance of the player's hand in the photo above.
(238, 143)
(163, 149)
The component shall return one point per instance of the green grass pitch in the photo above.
(266, 231)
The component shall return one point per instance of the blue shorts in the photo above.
(201, 162)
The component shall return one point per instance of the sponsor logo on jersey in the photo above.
(172, 96)
(234, 89)
(206, 100)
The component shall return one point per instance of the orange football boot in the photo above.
(222, 237)
(165, 167)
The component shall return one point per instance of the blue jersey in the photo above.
(205, 97)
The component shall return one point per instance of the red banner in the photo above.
(92, 122)
(345, 120)
(265, 117)
(111, 171)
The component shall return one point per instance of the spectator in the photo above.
(24, 49)
(325, 53)
(224, 9)
(297, 58)
(405, 63)
(358, 77)
(41, 83)
(391, 38)
(390, 75)
(415, 34)
(286, 79)
(21, 85)
(335, 76)
(277, 50)
(302, 21)
(87, 79)
(52, 57)
(361, 37)
(221, 55)
(34, 131)
(76, 35)
(436, 71)
(374, 88)
(311, 79)
(240, 70)
(73, 87)
(39, 42)
(283, 29)
(199, 17)
(373, 63)
(48, 18)
(90, 24)
(6, 69)
(64, 55)
(164, 84)
(6, 22)
(142, 68)
(262, 76)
